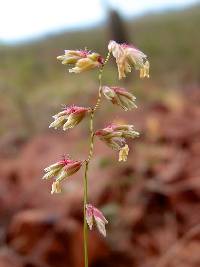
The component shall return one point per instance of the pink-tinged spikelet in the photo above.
(95, 216)
(60, 171)
(119, 96)
(69, 117)
(127, 56)
(82, 60)
(115, 137)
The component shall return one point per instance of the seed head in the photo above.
(119, 96)
(60, 171)
(81, 60)
(95, 216)
(69, 117)
(127, 56)
(115, 136)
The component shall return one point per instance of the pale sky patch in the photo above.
(23, 19)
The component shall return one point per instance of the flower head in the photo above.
(115, 137)
(81, 60)
(69, 117)
(127, 56)
(61, 170)
(120, 96)
(93, 215)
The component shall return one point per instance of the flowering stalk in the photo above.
(127, 57)
(92, 134)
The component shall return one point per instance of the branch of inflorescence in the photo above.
(85, 229)
(127, 56)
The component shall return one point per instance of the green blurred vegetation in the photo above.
(33, 83)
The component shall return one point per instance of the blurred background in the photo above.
(152, 201)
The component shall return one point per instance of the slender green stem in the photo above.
(85, 229)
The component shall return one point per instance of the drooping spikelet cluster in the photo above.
(60, 171)
(114, 135)
(127, 56)
(69, 117)
(81, 60)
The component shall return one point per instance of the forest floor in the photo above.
(152, 201)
